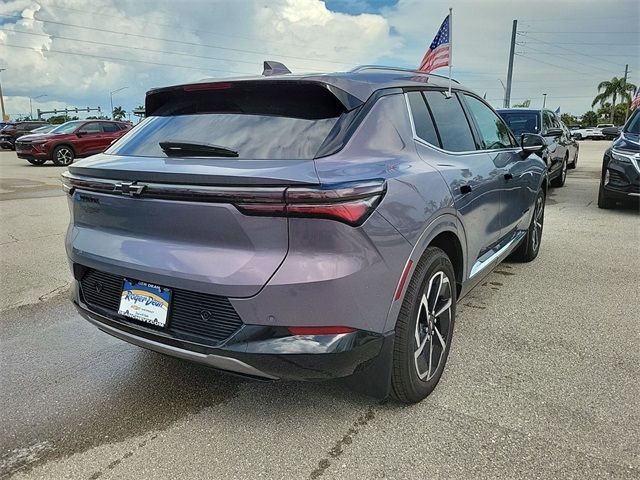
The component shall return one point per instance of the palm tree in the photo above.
(119, 113)
(611, 89)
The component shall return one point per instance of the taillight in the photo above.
(348, 203)
(320, 330)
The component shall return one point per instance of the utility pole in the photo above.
(544, 100)
(512, 51)
(624, 85)
(4, 115)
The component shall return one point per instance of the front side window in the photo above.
(451, 121)
(110, 127)
(495, 134)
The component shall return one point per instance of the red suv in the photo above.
(78, 138)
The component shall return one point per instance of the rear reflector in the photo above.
(403, 280)
(320, 330)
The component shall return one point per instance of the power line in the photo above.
(563, 67)
(577, 52)
(192, 44)
(129, 47)
(583, 31)
(146, 22)
(104, 57)
(542, 52)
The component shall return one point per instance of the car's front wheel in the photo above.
(63, 156)
(36, 161)
(530, 246)
(424, 328)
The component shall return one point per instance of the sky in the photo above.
(73, 53)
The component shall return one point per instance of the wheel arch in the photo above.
(445, 232)
(64, 144)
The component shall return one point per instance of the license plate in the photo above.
(145, 302)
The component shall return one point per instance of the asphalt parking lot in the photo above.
(542, 380)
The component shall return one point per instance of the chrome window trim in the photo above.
(442, 150)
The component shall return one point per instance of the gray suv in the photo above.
(303, 227)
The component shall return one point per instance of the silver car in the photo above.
(303, 227)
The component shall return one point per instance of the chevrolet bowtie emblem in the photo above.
(132, 189)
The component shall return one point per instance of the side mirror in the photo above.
(554, 132)
(532, 143)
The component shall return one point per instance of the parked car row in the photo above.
(602, 131)
(11, 131)
(561, 151)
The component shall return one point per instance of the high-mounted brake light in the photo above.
(207, 86)
(320, 330)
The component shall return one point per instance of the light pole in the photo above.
(31, 104)
(4, 115)
(111, 97)
(504, 88)
(544, 100)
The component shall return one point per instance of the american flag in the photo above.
(635, 101)
(438, 54)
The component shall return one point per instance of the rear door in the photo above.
(188, 226)
(472, 176)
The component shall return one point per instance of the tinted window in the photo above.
(633, 125)
(494, 132)
(252, 136)
(92, 127)
(451, 122)
(522, 122)
(422, 119)
(110, 127)
(547, 121)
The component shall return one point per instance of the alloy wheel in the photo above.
(433, 325)
(64, 156)
(538, 220)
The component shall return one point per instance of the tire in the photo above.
(604, 202)
(574, 164)
(560, 179)
(413, 378)
(36, 161)
(63, 155)
(528, 250)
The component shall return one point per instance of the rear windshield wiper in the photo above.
(189, 149)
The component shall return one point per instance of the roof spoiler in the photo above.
(274, 68)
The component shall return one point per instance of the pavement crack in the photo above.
(346, 439)
(52, 293)
(128, 454)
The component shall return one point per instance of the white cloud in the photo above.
(303, 34)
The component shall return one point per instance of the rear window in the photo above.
(522, 122)
(263, 120)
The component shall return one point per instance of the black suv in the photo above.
(620, 179)
(562, 149)
(12, 131)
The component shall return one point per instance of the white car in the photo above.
(594, 133)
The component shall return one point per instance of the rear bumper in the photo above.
(268, 353)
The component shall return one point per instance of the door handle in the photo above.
(464, 189)
(508, 176)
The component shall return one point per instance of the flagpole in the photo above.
(450, 45)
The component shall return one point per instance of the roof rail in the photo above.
(398, 69)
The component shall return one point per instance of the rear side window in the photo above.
(494, 132)
(110, 127)
(259, 120)
(453, 127)
(522, 121)
(422, 121)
